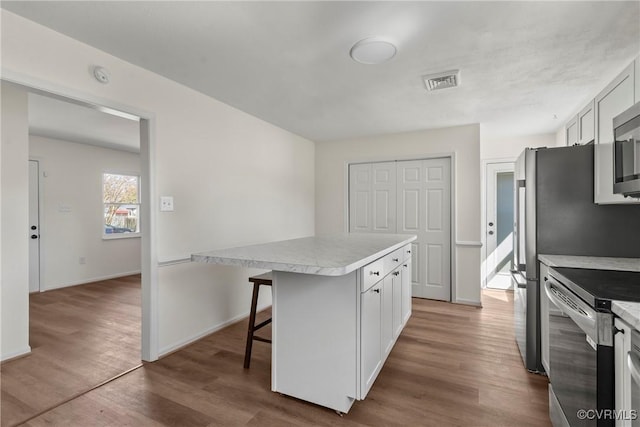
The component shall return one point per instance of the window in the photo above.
(121, 198)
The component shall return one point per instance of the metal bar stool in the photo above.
(262, 279)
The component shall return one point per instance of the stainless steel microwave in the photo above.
(626, 152)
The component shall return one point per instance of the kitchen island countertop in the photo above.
(330, 255)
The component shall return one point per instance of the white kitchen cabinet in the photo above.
(587, 124)
(396, 285)
(371, 341)
(384, 311)
(327, 322)
(613, 100)
(406, 289)
(622, 346)
(387, 315)
(571, 131)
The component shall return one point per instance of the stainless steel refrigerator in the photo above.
(555, 215)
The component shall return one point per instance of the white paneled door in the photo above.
(409, 197)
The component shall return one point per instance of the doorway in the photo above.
(80, 336)
(499, 224)
(34, 226)
(409, 197)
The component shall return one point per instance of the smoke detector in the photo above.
(101, 74)
(442, 80)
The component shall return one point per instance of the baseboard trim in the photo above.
(468, 302)
(16, 354)
(91, 280)
(167, 350)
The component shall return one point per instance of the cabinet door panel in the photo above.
(587, 124)
(387, 315)
(622, 343)
(616, 98)
(396, 278)
(371, 344)
(406, 290)
(571, 132)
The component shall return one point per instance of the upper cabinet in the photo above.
(613, 100)
(571, 131)
(586, 124)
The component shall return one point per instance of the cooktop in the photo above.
(599, 287)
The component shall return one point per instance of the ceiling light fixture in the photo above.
(373, 50)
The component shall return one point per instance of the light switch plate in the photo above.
(166, 204)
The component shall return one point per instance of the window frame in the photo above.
(116, 236)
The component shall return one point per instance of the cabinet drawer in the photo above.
(372, 273)
(393, 260)
(406, 252)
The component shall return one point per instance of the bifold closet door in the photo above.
(408, 197)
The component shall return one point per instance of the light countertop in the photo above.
(589, 262)
(332, 255)
(628, 311)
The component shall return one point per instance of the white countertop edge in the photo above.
(276, 266)
(589, 262)
(627, 311)
(298, 268)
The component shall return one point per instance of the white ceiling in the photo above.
(58, 119)
(288, 63)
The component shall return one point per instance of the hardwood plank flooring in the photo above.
(453, 365)
(80, 337)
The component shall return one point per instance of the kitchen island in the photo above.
(339, 304)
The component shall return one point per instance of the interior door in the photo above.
(34, 226)
(424, 209)
(408, 197)
(499, 225)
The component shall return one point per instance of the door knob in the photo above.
(490, 232)
(33, 227)
(34, 236)
(490, 224)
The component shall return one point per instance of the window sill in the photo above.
(117, 236)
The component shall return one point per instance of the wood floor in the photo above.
(453, 365)
(79, 336)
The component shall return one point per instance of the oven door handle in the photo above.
(583, 315)
(633, 362)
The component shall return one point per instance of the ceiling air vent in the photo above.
(442, 80)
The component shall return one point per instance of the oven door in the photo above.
(573, 355)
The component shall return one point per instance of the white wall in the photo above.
(510, 148)
(74, 180)
(14, 181)
(463, 141)
(235, 179)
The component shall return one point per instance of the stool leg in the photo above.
(252, 322)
